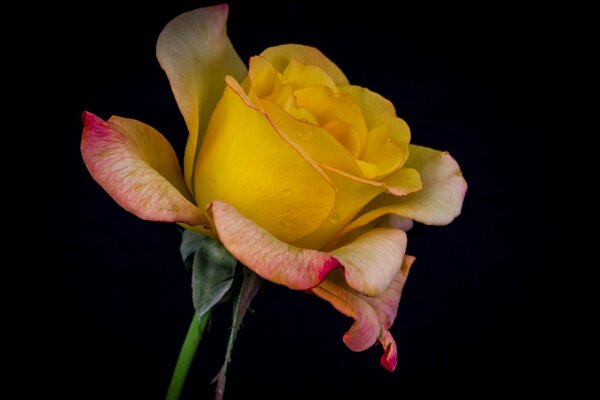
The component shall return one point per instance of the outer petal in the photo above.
(438, 203)
(246, 162)
(370, 263)
(138, 168)
(373, 315)
(280, 57)
(196, 54)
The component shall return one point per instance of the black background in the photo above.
(475, 312)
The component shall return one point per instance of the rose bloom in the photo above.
(292, 168)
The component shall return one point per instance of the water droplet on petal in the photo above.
(334, 217)
(305, 135)
(293, 209)
(286, 193)
(289, 221)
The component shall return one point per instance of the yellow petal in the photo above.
(387, 148)
(138, 168)
(300, 75)
(376, 109)
(327, 107)
(438, 203)
(265, 83)
(263, 77)
(317, 142)
(247, 163)
(196, 54)
(403, 182)
(352, 195)
(280, 57)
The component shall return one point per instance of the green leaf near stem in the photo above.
(212, 275)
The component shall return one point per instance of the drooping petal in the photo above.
(438, 203)
(280, 57)
(138, 168)
(372, 260)
(373, 315)
(246, 162)
(196, 54)
(376, 109)
(370, 263)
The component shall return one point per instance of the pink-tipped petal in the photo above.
(373, 260)
(270, 258)
(138, 168)
(373, 315)
(389, 358)
(370, 263)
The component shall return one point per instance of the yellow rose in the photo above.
(295, 170)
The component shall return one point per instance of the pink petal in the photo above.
(373, 315)
(138, 168)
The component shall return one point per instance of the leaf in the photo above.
(190, 242)
(250, 286)
(213, 268)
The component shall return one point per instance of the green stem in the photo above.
(186, 356)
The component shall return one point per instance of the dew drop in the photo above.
(286, 193)
(293, 209)
(289, 221)
(334, 217)
(306, 134)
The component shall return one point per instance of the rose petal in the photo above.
(403, 182)
(351, 196)
(376, 109)
(272, 259)
(387, 148)
(373, 260)
(329, 108)
(373, 315)
(438, 203)
(280, 57)
(246, 162)
(370, 262)
(138, 168)
(300, 75)
(196, 54)
(316, 141)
